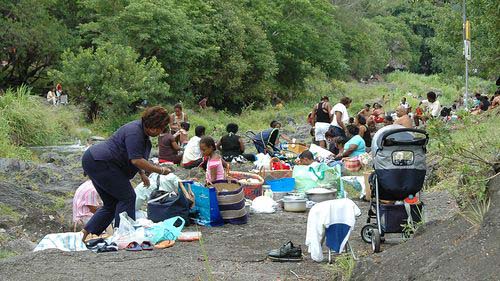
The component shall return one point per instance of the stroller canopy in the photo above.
(399, 161)
(266, 139)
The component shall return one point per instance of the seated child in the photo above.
(85, 203)
(214, 164)
(182, 135)
(305, 158)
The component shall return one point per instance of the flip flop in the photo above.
(165, 244)
(133, 247)
(147, 246)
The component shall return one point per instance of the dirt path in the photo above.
(234, 253)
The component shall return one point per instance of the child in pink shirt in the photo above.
(215, 164)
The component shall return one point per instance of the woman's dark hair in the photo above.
(325, 98)
(361, 119)
(389, 118)
(232, 128)
(274, 123)
(199, 131)
(368, 105)
(155, 117)
(353, 130)
(209, 142)
(306, 154)
(178, 105)
(329, 134)
(431, 95)
(340, 140)
(185, 126)
(345, 100)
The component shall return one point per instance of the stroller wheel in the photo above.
(376, 241)
(366, 232)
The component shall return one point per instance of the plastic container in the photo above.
(282, 185)
(294, 205)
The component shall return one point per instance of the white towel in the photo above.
(324, 214)
(68, 242)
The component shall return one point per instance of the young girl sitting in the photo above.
(182, 136)
(214, 163)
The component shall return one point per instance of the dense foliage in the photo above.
(236, 53)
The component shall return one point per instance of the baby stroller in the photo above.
(265, 141)
(400, 167)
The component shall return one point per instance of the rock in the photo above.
(12, 165)
(53, 157)
(20, 246)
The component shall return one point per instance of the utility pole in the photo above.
(467, 53)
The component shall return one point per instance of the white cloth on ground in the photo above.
(68, 242)
(325, 214)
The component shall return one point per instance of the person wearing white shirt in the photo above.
(340, 117)
(432, 108)
(51, 97)
(192, 156)
(405, 104)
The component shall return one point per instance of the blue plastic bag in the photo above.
(165, 230)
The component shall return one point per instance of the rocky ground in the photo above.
(452, 249)
(39, 196)
(35, 199)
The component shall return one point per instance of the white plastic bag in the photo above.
(168, 183)
(263, 205)
(127, 233)
(263, 161)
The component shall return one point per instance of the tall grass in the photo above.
(26, 121)
(465, 154)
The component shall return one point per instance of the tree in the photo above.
(111, 79)
(31, 41)
(304, 35)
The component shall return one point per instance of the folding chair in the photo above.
(336, 240)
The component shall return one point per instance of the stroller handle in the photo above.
(404, 130)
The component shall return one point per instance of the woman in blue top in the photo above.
(111, 164)
(355, 146)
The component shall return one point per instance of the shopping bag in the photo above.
(304, 179)
(166, 230)
(352, 164)
(231, 200)
(168, 205)
(206, 205)
(327, 177)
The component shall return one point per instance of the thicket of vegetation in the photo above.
(112, 54)
(25, 121)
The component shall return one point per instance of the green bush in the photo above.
(26, 121)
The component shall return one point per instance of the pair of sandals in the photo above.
(136, 247)
(147, 246)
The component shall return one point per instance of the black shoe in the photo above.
(287, 252)
(92, 243)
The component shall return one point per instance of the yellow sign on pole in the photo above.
(467, 30)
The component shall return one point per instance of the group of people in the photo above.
(482, 103)
(346, 136)
(110, 165)
(175, 146)
(56, 96)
